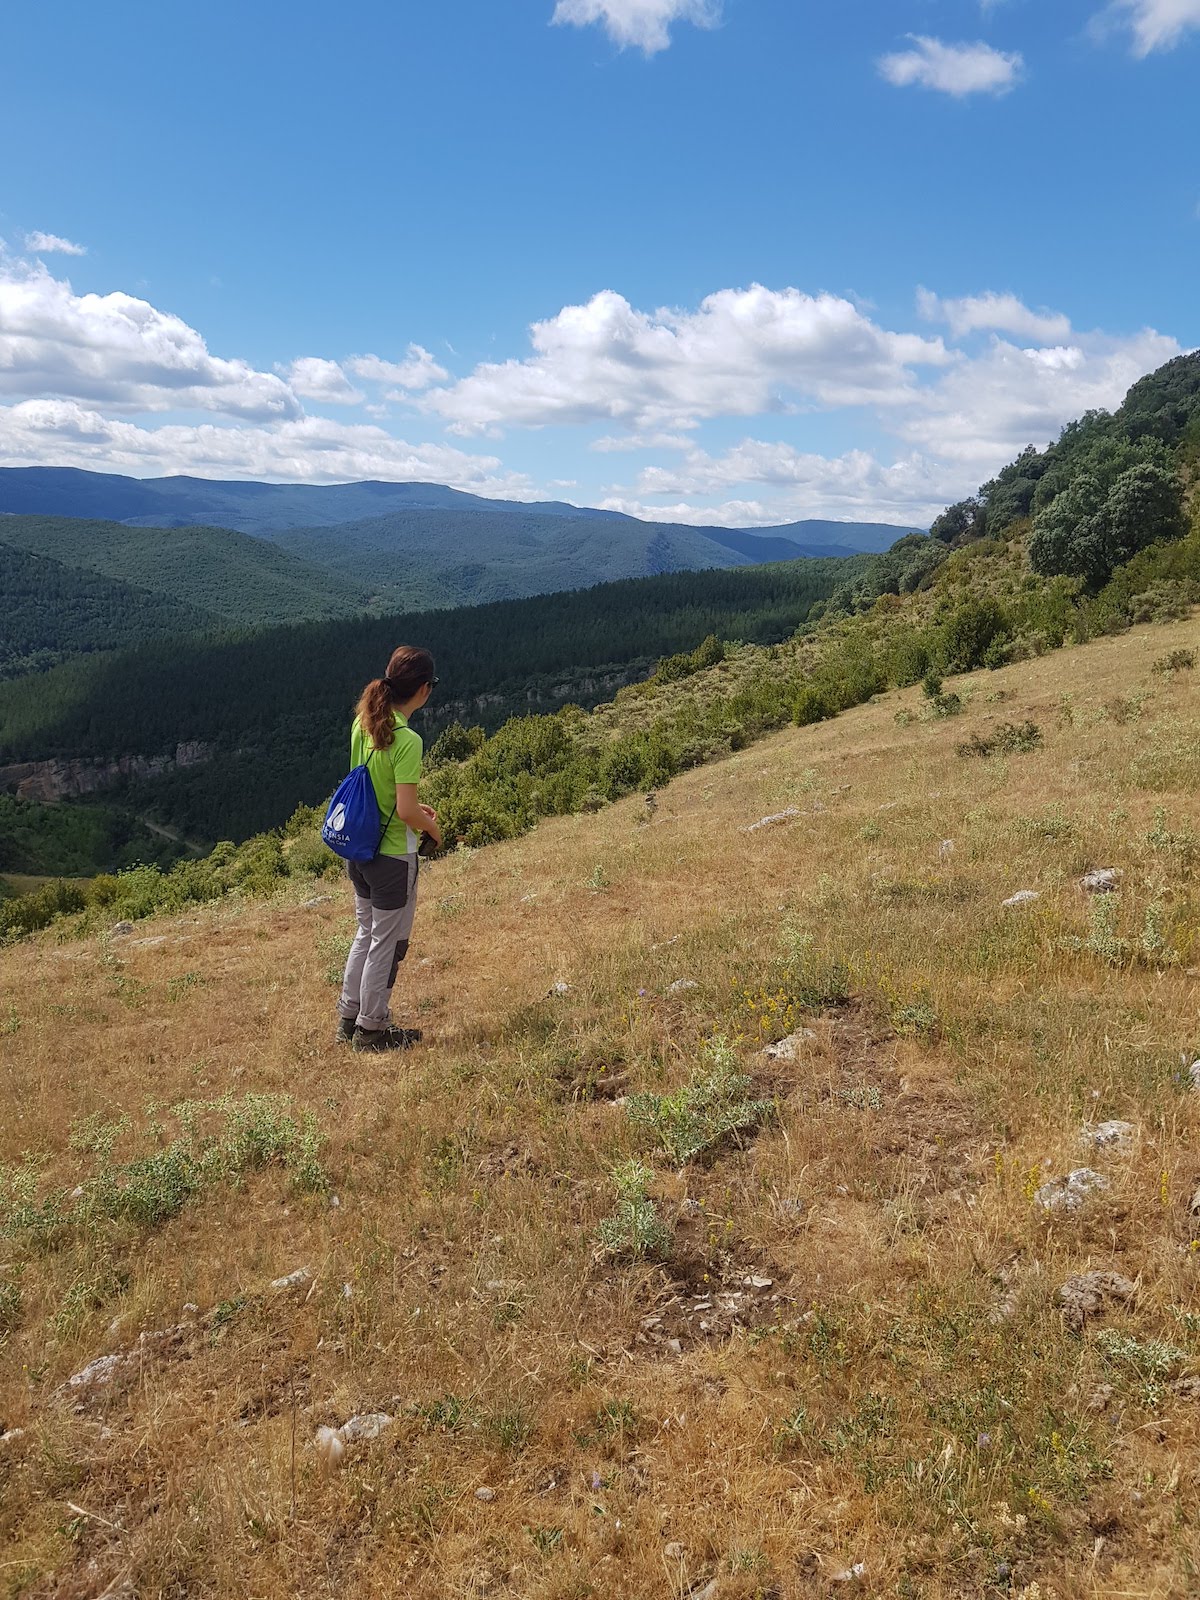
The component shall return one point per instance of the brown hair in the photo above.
(408, 669)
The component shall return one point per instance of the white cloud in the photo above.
(645, 24)
(956, 69)
(952, 433)
(119, 352)
(982, 412)
(313, 378)
(49, 243)
(1155, 24)
(301, 450)
(418, 370)
(1002, 313)
(850, 486)
(740, 353)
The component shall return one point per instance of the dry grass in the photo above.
(902, 1393)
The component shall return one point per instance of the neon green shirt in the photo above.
(399, 763)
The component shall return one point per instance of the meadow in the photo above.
(649, 1308)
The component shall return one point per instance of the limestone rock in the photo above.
(293, 1280)
(773, 820)
(362, 1429)
(1115, 1135)
(1023, 897)
(1101, 880)
(1070, 1193)
(1087, 1294)
(792, 1048)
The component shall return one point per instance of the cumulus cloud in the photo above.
(740, 353)
(50, 243)
(417, 371)
(1154, 24)
(1002, 313)
(951, 434)
(313, 378)
(955, 69)
(849, 486)
(644, 24)
(988, 408)
(301, 450)
(119, 352)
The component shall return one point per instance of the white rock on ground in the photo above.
(1101, 880)
(681, 985)
(1194, 1076)
(485, 1494)
(1070, 1193)
(293, 1280)
(361, 1429)
(1023, 897)
(1115, 1135)
(1086, 1295)
(792, 1048)
(771, 821)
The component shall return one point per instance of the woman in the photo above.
(385, 888)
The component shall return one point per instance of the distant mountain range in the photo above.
(261, 554)
(268, 508)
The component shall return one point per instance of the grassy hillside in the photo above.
(52, 611)
(842, 1346)
(238, 580)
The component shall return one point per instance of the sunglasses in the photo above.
(433, 682)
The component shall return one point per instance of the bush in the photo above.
(634, 1229)
(1010, 738)
(711, 1107)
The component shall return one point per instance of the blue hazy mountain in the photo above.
(266, 508)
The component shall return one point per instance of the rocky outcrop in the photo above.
(49, 781)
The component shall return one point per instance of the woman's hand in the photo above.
(431, 824)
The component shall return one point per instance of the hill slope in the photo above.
(854, 1351)
(52, 611)
(419, 559)
(234, 578)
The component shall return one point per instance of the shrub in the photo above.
(1175, 661)
(713, 1106)
(1010, 738)
(634, 1229)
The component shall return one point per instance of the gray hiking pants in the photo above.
(385, 901)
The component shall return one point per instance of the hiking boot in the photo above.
(378, 1039)
(345, 1031)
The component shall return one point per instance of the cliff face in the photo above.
(49, 781)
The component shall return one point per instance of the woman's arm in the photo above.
(421, 819)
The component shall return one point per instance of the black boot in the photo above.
(390, 1038)
(345, 1031)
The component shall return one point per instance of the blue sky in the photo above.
(743, 261)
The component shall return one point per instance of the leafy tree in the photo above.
(958, 522)
(1087, 532)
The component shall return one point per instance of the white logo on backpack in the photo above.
(337, 819)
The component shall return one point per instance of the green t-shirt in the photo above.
(399, 763)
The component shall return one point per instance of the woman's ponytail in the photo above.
(409, 669)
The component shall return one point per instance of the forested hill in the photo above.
(229, 577)
(419, 560)
(275, 703)
(52, 611)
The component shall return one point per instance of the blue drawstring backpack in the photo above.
(352, 828)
